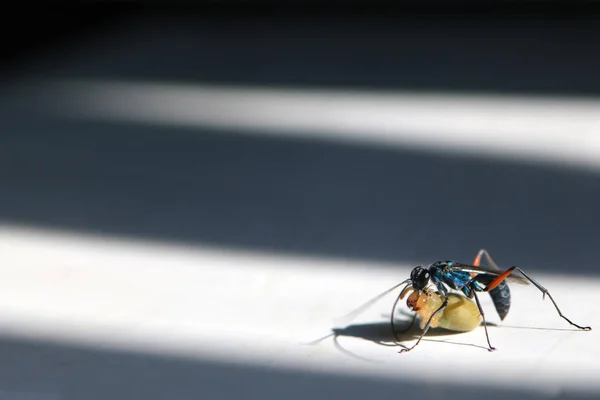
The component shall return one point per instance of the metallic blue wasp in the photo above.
(465, 278)
(500, 294)
(470, 279)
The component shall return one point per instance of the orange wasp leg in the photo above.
(484, 252)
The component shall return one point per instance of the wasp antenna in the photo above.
(353, 314)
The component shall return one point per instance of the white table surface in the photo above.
(260, 312)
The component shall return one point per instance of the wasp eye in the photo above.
(415, 272)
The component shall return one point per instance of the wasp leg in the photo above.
(444, 304)
(410, 326)
(394, 332)
(484, 253)
(542, 289)
(487, 336)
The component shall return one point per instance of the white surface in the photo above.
(261, 310)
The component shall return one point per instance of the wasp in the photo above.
(469, 279)
(461, 314)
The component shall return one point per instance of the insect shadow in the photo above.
(381, 334)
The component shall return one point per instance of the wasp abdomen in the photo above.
(501, 297)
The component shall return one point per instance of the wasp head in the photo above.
(419, 278)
